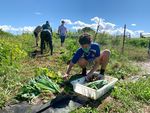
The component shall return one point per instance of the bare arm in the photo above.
(69, 68)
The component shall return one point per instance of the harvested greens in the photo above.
(96, 84)
(36, 86)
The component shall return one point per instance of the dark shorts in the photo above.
(62, 39)
(35, 34)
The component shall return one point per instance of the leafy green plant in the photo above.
(141, 90)
(65, 57)
(36, 86)
(136, 53)
(125, 97)
(115, 41)
(129, 95)
(55, 76)
(10, 55)
(103, 39)
(138, 42)
(5, 34)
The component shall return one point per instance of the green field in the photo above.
(17, 68)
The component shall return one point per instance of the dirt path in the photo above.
(145, 66)
(145, 71)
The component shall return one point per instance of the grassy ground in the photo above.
(126, 96)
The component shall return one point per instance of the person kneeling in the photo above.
(89, 54)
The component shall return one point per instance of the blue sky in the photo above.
(26, 14)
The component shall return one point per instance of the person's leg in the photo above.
(36, 39)
(42, 41)
(62, 40)
(104, 59)
(51, 47)
(83, 63)
(46, 40)
(50, 43)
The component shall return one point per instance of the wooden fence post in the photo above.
(124, 35)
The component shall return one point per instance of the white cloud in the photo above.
(38, 13)
(67, 21)
(133, 24)
(109, 25)
(97, 21)
(120, 31)
(77, 27)
(146, 34)
(117, 31)
(27, 29)
(17, 30)
(81, 24)
(104, 26)
(139, 31)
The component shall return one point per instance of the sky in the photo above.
(17, 16)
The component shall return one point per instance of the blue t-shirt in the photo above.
(91, 55)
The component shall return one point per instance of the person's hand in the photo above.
(89, 77)
(66, 76)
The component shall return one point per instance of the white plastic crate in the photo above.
(79, 87)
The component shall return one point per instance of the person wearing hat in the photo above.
(46, 36)
(62, 31)
(89, 54)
